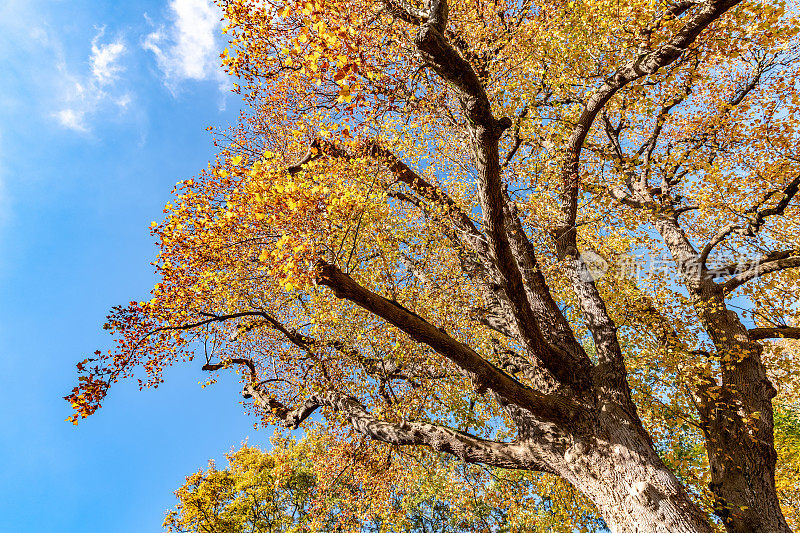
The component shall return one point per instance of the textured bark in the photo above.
(485, 130)
(774, 333)
(739, 427)
(620, 472)
(737, 420)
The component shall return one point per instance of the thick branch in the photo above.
(445, 60)
(474, 250)
(484, 374)
(644, 64)
(485, 132)
(760, 270)
(481, 267)
(466, 447)
(316, 149)
(759, 216)
(251, 367)
(553, 324)
(405, 13)
(592, 305)
(778, 332)
(462, 222)
(720, 236)
(473, 245)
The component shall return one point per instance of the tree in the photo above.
(292, 488)
(257, 492)
(407, 228)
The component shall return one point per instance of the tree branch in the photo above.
(759, 216)
(778, 332)
(466, 447)
(759, 270)
(316, 149)
(553, 324)
(644, 64)
(406, 13)
(484, 374)
(251, 367)
(463, 223)
(755, 219)
(485, 131)
(478, 264)
(298, 339)
(516, 137)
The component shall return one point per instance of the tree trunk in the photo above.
(620, 472)
(739, 427)
(743, 473)
(735, 406)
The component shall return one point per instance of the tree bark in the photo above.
(739, 427)
(620, 472)
(736, 409)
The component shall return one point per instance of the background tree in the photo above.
(403, 232)
(265, 493)
(293, 488)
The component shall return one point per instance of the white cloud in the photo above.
(85, 95)
(104, 59)
(72, 119)
(189, 48)
(124, 101)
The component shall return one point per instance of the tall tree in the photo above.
(407, 228)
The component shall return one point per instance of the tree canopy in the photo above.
(548, 237)
(316, 484)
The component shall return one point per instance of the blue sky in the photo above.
(103, 107)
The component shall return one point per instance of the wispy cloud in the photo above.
(189, 48)
(105, 59)
(86, 95)
(72, 119)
